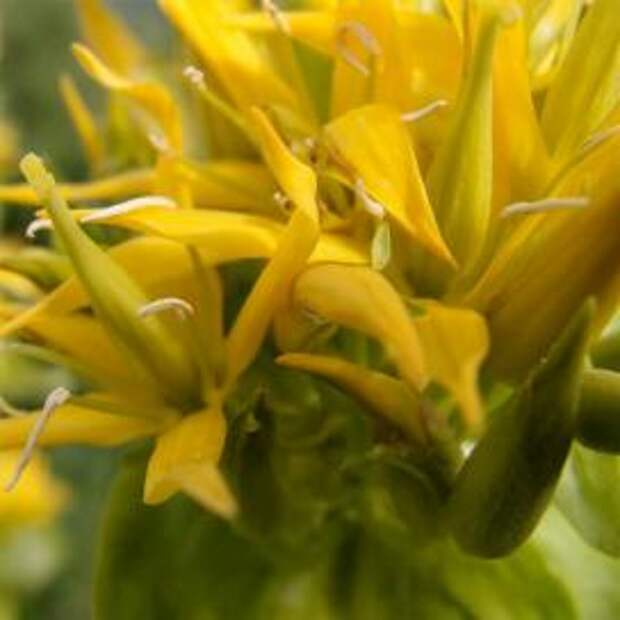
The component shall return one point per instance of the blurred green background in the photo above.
(35, 39)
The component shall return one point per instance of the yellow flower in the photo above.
(456, 206)
(37, 500)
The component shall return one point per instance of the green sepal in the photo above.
(507, 483)
(117, 298)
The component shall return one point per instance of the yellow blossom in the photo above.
(473, 147)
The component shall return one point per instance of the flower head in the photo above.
(451, 211)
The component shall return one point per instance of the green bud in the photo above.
(507, 483)
(598, 423)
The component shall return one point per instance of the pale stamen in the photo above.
(316, 319)
(129, 206)
(55, 399)
(417, 115)
(197, 79)
(183, 309)
(194, 75)
(269, 6)
(599, 138)
(365, 37)
(550, 204)
(376, 209)
(37, 225)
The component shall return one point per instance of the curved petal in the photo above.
(362, 299)
(240, 65)
(271, 290)
(77, 425)
(84, 123)
(385, 395)
(186, 458)
(455, 342)
(374, 145)
(110, 36)
(152, 97)
(114, 187)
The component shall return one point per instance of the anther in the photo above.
(159, 141)
(282, 200)
(376, 209)
(365, 37)
(54, 400)
(417, 115)
(540, 206)
(37, 225)
(269, 6)
(180, 307)
(194, 75)
(128, 206)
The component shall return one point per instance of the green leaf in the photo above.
(589, 497)
(171, 562)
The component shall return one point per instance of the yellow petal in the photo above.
(222, 236)
(314, 28)
(455, 342)
(230, 184)
(72, 424)
(383, 394)
(271, 290)
(521, 164)
(240, 65)
(406, 72)
(362, 299)
(368, 33)
(83, 339)
(456, 12)
(110, 37)
(118, 186)
(148, 261)
(295, 178)
(84, 123)
(374, 145)
(226, 235)
(151, 97)
(186, 459)
(574, 108)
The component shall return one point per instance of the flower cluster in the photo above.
(431, 193)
